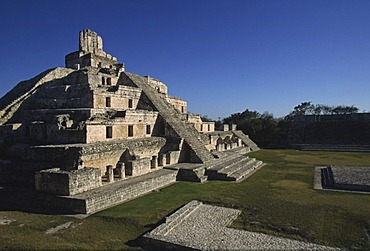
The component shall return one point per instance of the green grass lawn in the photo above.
(279, 200)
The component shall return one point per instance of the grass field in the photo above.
(279, 199)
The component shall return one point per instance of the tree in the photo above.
(205, 118)
(305, 108)
(262, 128)
(342, 109)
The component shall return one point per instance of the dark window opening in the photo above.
(109, 81)
(209, 128)
(108, 102)
(182, 109)
(130, 103)
(103, 80)
(108, 132)
(130, 130)
(148, 129)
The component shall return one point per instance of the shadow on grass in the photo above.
(27, 200)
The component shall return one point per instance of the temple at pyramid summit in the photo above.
(91, 135)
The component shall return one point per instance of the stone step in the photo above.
(227, 162)
(228, 170)
(334, 148)
(243, 172)
(235, 172)
(173, 118)
(11, 102)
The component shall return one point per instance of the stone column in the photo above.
(153, 162)
(161, 160)
(168, 158)
(121, 169)
(110, 173)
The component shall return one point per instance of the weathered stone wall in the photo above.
(142, 125)
(138, 167)
(110, 160)
(157, 84)
(116, 101)
(207, 127)
(103, 155)
(351, 129)
(65, 157)
(172, 157)
(178, 103)
(124, 193)
(60, 182)
(95, 133)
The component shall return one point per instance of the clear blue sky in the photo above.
(220, 56)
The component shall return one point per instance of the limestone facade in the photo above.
(92, 123)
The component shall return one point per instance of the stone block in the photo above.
(61, 182)
(110, 174)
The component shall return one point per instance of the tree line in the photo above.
(265, 129)
(307, 108)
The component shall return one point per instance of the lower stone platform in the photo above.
(25, 199)
(197, 226)
(231, 165)
(121, 191)
(343, 178)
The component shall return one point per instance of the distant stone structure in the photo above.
(93, 135)
(345, 132)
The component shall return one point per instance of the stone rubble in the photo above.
(6, 221)
(58, 228)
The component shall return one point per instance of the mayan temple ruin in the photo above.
(91, 135)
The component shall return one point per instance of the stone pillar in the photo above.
(153, 162)
(168, 158)
(233, 127)
(121, 170)
(110, 173)
(161, 160)
(240, 143)
(225, 127)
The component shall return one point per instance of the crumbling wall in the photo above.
(157, 84)
(60, 182)
(91, 53)
(178, 103)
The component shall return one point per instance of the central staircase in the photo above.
(173, 118)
